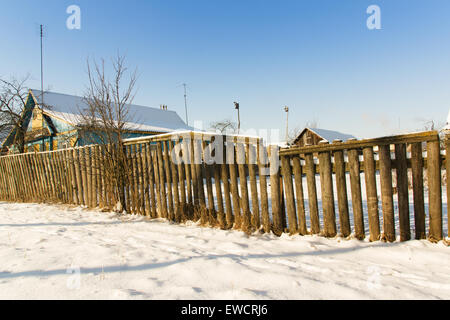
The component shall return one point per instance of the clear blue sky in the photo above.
(317, 57)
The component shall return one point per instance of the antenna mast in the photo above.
(42, 90)
(42, 69)
(185, 103)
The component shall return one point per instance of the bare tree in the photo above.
(13, 101)
(224, 126)
(106, 117)
(312, 124)
(293, 134)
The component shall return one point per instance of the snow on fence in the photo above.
(236, 182)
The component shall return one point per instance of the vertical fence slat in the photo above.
(312, 193)
(234, 184)
(207, 173)
(154, 154)
(434, 189)
(298, 177)
(187, 173)
(277, 220)
(371, 192)
(140, 172)
(252, 169)
(175, 189)
(220, 208)
(226, 189)
(326, 182)
(241, 160)
(262, 160)
(418, 195)
(151, 180)
(402, 189)
(171, 212)
(387, 200)
(162, 183)
(289, 191)
(355, 184)
(341, 186)
(195, 187)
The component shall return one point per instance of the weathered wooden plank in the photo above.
(234, 184)
(245, 205)
(151, 180)
(326, 184)
(220, 208)
(387, 200)
(289, 190)
(156, 175)
(187, 172)
(142, 205)
(402, 189)
(253, 169)
(298, 178)
(312, 193)
(175, 189)
(226, 191)
(371, 192)
(196, 198)
(434, 191)
(162, 183)
(277, 220)
(418, 195)
(341, 186)
(262, 160)
(198, 164)
(207, 173)
(171, 211)
(355, 185)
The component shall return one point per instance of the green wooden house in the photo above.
(53, 122)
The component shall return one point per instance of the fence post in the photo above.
(341, 186)
(289, 190)
(417, 175)
(326, 183)
(246, 216)
(277, 225)
(402, 188)
(355, 184)
(372, 196)
(262, 160)
(434, 189)
(312, 193)
(252, 169)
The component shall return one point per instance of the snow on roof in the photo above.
(67, 107)
(330, 135)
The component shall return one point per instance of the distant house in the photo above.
(312, 136)
(55, 122)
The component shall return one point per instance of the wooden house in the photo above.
(52, 122)
(312, 136)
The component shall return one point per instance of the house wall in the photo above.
(308, 137)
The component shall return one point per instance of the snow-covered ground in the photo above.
(70, 253)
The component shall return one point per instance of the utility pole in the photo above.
(185, 103)
(286, 109)
(236, 106)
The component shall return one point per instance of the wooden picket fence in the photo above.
(237, 182)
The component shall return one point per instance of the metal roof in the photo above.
(68, 108)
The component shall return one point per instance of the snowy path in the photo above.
(133, 258)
